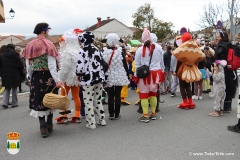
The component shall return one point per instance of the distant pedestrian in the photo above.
(22, 73)
(168, 75)
(3, 48)
(237, 43)
(10, 64)
(174, 77)
(231, 80)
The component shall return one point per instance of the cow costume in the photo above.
(91, 74)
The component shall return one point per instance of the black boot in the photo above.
(44, 132)
(50, 128)
(140, 108)
(227, 106)
(234, 128)
(158, 98)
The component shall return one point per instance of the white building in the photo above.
(5, 40)
(103, 27)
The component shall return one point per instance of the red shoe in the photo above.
(191, 104)
(62, 120)
(184, 104)
(75, 119)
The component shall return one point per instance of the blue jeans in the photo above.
(174, 84)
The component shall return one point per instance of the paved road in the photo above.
(180, 134)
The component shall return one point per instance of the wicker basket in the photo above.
(55, 101)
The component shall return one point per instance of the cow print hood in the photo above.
(86, 38)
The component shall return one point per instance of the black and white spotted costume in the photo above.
(91, 77)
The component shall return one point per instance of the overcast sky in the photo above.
(66, 14)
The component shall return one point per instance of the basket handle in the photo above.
(60, 87)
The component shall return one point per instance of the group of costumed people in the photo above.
(80, 63)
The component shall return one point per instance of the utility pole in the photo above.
(231, 21)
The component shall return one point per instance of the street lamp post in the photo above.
(235, 28)
(231, 20)
(12, 14)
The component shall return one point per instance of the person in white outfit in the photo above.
(148, 86)
(70, 47)
(117, 74)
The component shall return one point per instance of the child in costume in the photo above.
(209, 58)
(188, 55)
(218, 88)
(70, 47)
(124, 92)
(130, 68)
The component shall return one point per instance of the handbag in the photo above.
(144, 70)
(204, 74)
(55, 101)
(105, 64)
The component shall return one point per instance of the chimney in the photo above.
(99, 22)
(108, 18)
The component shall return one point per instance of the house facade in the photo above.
(103, 27)
(14, 39)
(53, 38)
(2, 18)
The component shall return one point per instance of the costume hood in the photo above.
(154, 37)
(86, 38)
(221, 64)
(146, 35)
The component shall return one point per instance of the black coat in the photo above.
(221, 51)
(11, 65)
(231, 78)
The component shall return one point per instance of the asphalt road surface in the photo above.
(179, 135)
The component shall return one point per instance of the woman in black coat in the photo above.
(10, 64)
(231, 78)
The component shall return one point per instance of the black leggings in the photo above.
(20, 86)
(114, 100)
(185, 89)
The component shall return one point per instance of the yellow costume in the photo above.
(124, 92)
(137, 90)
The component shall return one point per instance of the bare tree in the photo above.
(212, 12)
